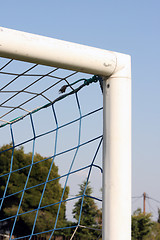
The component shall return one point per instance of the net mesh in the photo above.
(50, 155)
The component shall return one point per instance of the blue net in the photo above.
(50, 152)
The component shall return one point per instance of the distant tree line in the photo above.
(143, 227)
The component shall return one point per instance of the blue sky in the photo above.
(130, 27)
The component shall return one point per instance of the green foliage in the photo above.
(31, 198)
(158, 216)
(155, 233)
(141, 225)
(90, 214)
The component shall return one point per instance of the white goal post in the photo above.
(115, 68)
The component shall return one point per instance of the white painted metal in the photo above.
(52, 52)
(117, 153)
(117, 113)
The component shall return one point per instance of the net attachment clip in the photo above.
(86, 82)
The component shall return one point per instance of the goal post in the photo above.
(115, 69)
(117, 155)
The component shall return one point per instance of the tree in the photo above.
(158, 216)
(141, 225)
(90, 213)
(32, 196)
(155, 233)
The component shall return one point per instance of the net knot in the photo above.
(63, 89)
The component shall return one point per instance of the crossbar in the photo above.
(58, 53)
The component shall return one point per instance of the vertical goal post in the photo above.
(115, 69)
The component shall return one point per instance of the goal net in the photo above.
(51, 128)
(48, 148)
